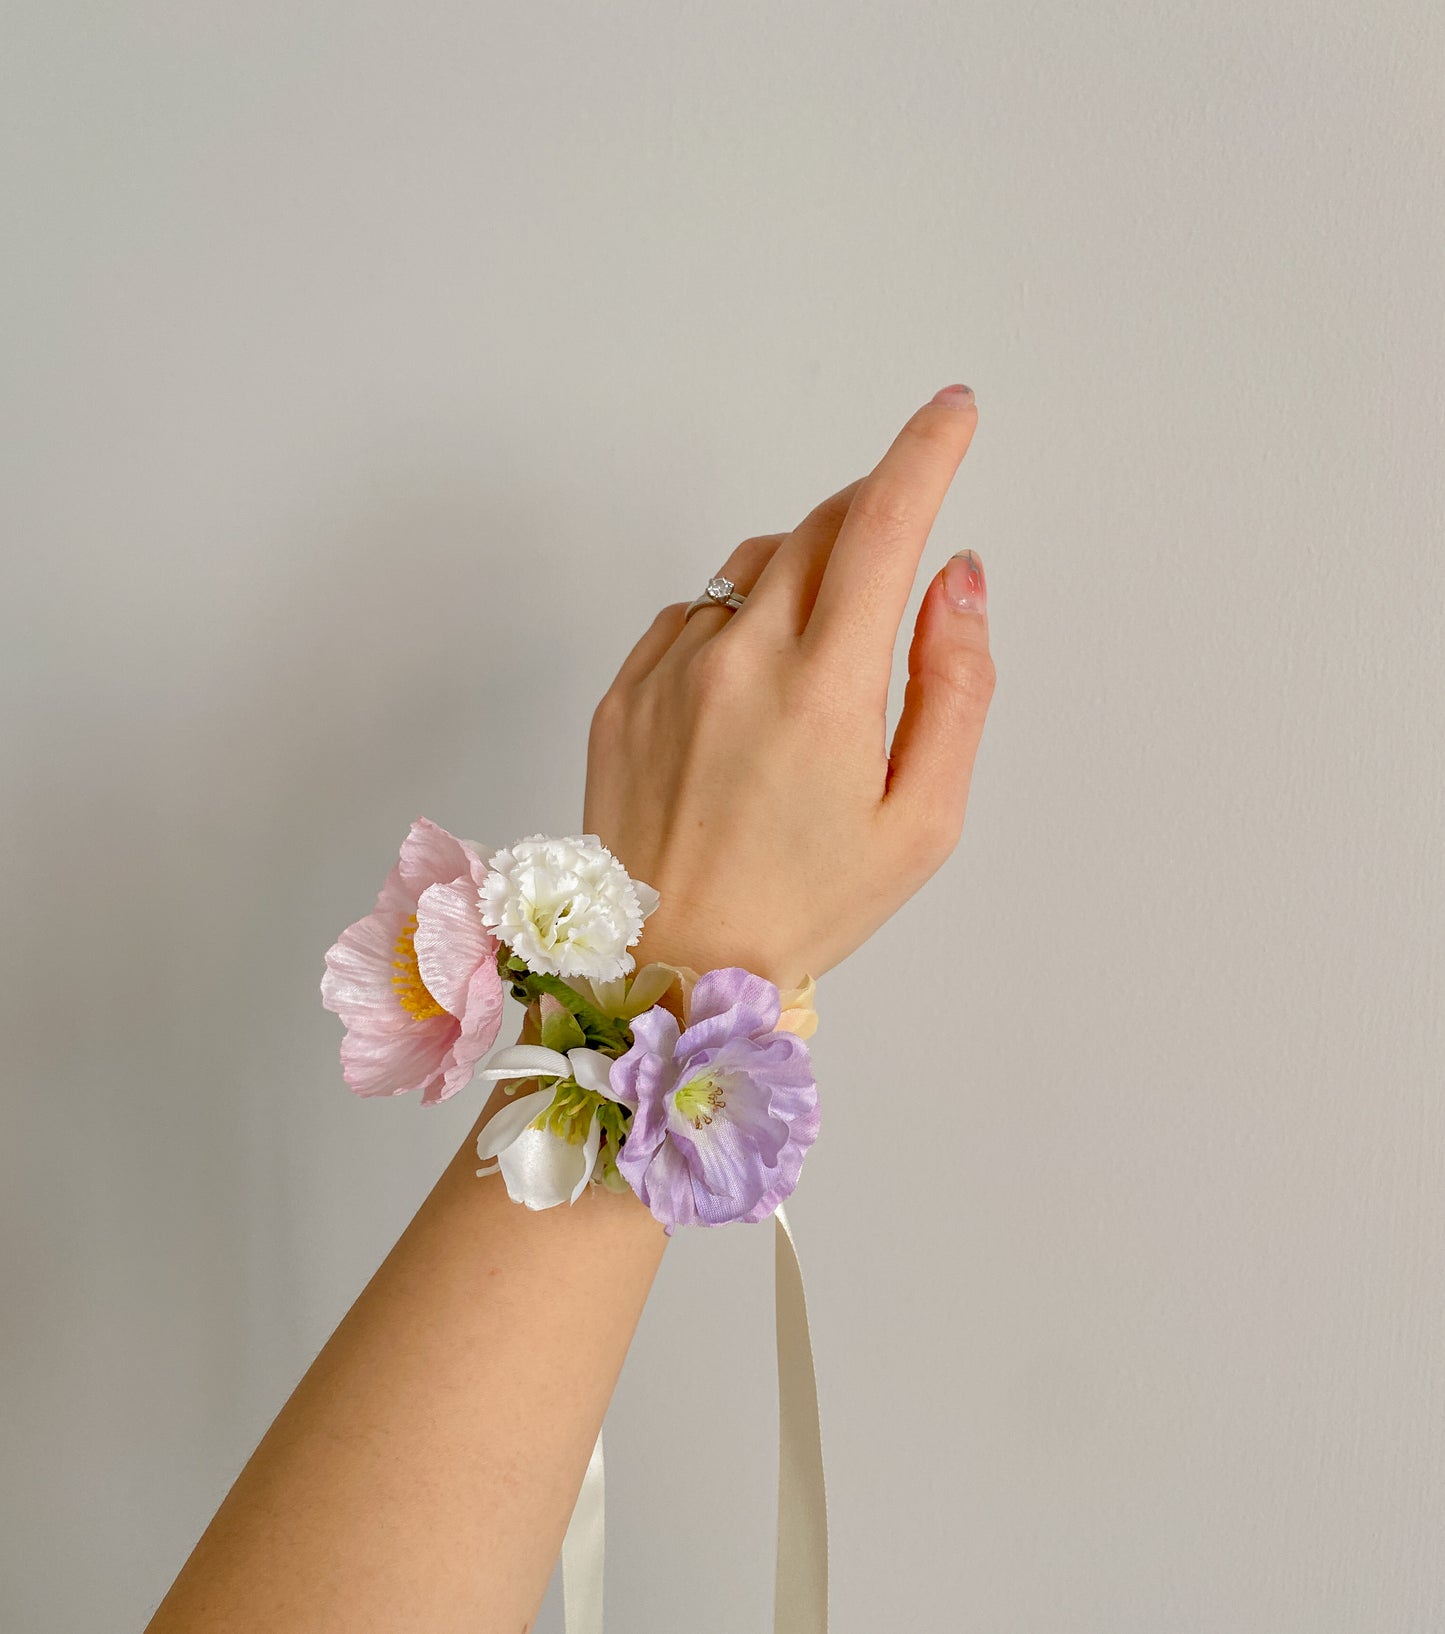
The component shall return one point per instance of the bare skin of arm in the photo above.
(422, 1472)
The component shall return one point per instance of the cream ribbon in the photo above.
(583, 1550)
(800, 1594)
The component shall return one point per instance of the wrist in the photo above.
(673, 1066)
(712, 946)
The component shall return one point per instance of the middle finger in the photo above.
(871, 567)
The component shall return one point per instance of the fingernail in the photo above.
(963, 583)
(954, 396)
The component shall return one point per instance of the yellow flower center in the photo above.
(411, 990)
(698, 1099)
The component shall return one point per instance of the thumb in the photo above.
(950, 684)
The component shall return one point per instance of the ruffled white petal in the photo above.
(565, 905)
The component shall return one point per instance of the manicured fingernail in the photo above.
(954, 396)
(963, 583)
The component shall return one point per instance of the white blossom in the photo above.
(566, 906)
(540, 1168)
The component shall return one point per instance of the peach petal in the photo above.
(797, 1013)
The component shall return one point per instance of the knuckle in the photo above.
(608, 716)
(885, 504)
(750, 557)
(969, 672)
(945, 831)
(757, 544)
(934, 431)
(935, 828)
(718, 666)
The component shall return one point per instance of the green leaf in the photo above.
(598, 1029)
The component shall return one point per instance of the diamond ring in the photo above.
(720, 592)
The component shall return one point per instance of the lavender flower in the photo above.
(723, 1110)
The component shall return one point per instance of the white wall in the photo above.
(359, 360)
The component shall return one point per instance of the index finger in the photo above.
(871, 568)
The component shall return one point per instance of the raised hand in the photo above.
(740, 761)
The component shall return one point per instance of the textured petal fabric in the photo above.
(726, 1002)
(723, 1110)
(396, 1062)
(376, 983)
(358, 980)
(451, 942)
(784, 1177)
(563, 903)
(748, 1113)
(393, 897)
(664, 1183)
(429, 853)
(481, 1022)
(641, 1076)
(733, 1181)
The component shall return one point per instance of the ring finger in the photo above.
(742, 568)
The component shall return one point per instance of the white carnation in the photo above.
(565, 906)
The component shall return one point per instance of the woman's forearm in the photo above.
(422, 1472)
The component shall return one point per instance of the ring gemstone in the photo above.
(719, 588)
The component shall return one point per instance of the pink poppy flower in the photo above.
(416, 981)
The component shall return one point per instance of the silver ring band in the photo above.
(720, 592)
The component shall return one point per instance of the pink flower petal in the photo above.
(451, 941)
(482, 1018)
(387, 985)
(398, 1061)
(481, 1023)
(358, 980)
(393, 897)
(429, 854)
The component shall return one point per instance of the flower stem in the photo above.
(601, 1029)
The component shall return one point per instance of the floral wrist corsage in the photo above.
(694, 1091)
